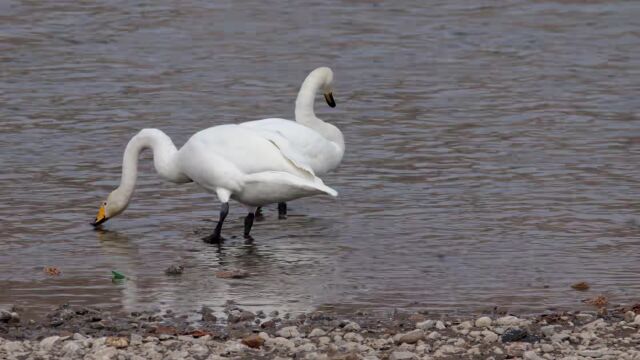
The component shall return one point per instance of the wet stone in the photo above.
(174, 270)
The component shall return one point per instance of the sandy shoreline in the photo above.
(90, 333)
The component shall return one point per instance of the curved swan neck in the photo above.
(319, 79)
(306, 99)
(164, 159)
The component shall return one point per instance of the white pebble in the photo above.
(484, 321)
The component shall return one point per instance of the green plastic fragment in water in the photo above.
(117, 275)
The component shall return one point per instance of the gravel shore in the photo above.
(89, 333)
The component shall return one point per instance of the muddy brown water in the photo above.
(493, 152)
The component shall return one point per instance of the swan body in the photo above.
(320, 144)
(230, 161)
(316, 143)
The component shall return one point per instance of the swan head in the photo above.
(325, 75)
(115, 204)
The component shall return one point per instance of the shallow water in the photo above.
(493, 152)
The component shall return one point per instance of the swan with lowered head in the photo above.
(230, 161)
(320, 145)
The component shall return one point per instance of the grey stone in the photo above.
(484, 322)
(548, 330)
(411, 337)
(351, 326)
(317, 332)
(531, 355)
(289, 332)
(402, 355)
(426, 325)
(49, 342)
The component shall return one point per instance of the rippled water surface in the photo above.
(493, 152)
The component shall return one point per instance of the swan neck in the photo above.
(164, 159)
(306, 98)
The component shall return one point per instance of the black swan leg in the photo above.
(282, 210)
(248, 223)
(215, 238)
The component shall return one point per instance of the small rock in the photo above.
(308, 347)
(232, 347)
(531, 355)
(548, 330)
(593, 353)
(560, 337)
(289, 332)
(489, 336)
(174, 270)
(117, 342)
(411, 337)
(240, 316)
(135, 339)
(351, 326)
(317, 332)
(280, 343)
(70, 348)
(47, 343)
(402, 355)
(629, 316)
(466, 325)
(107, 353)
(199, 350)
(636, 320)
(426, 325)
(484, 322)
(508, 321)
(207, 314)
(512, 335)
(547, 348)
(253, 341)
(440, 325)
(354, 337)
(13, 347)
(580, 286)
(433, 335)
(5, 316)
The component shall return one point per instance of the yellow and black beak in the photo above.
(101, 217)
(330, 101)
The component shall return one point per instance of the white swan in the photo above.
(318, 144)
(230, 161)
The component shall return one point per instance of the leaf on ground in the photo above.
(52, 271)
(117, 275)
(581, 286)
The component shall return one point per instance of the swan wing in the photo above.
(298, 142)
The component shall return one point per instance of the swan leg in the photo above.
(248, 223)
(282, 210)
(215, 237)
(259, 215)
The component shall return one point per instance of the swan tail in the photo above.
(276, 186)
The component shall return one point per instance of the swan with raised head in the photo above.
(318, 144)
(231, 161)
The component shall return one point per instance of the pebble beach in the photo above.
(90, 333)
